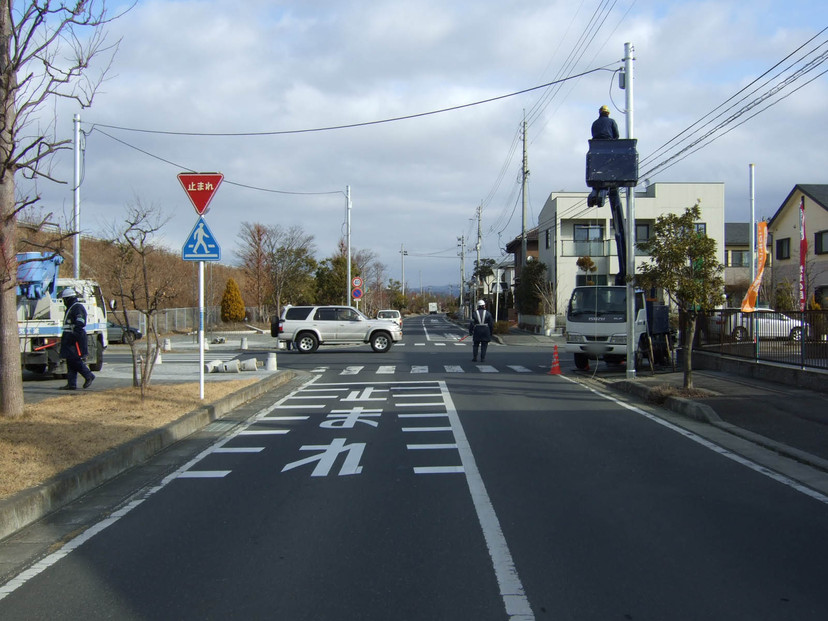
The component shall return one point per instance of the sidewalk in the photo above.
(788, 420)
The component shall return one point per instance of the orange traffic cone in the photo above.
(556, 364)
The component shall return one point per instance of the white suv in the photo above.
(308, 327)
(391, 315)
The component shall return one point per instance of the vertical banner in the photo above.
(749, 303)
(803, 252)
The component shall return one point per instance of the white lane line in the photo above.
(429, 429)
(439, 470)
(511, 588)
(267, 432)
(417, 405)
(430, 447)
(423, 415)
(240, 449)
(439, 344)
(780, 478)
(299, 407)
(284, 418)
(204, 474)
(419, 344)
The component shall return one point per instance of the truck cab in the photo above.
(596, 324)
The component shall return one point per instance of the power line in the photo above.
(351, 125)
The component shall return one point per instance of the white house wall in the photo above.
(563, 210)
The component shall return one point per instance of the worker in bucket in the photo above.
(603, 128)
(73, 346)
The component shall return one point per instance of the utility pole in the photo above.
(462, 244)
(631, 345)
(77, 133)
(524, 173)
(477, 247)
(402, 258)
(348, 296)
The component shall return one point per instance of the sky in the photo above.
(230, 87)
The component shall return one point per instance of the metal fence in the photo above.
(793, 337)
(185, 320)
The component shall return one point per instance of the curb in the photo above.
(27, 506)
(703, 413)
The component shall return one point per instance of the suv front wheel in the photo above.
(381, 342)
(306, 343)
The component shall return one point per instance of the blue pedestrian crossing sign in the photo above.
(201, 245)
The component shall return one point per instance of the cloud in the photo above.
(262, 66)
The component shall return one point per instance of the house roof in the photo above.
(531, 236)
(737, 233)
(816, 192)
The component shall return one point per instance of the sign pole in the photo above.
(201, 330)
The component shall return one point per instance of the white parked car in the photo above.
(768, 324)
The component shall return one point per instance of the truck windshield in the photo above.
(598, 301)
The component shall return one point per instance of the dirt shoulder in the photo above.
(56, 434)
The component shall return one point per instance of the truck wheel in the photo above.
(98, 364)
(796, 334)
(306, 343)
(582, 362)
(381, 342)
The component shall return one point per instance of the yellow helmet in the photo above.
(604, 110)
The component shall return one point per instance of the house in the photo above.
(515, 248)
(568, 229)
(784, 230)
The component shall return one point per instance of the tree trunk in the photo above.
(690, 332)
(11, 373)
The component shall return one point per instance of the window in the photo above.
(821, 242)
(701, 228)
(582, 280)
(548, 238)
(326, 314)
(642, 232)
(589, 232)
(783, 248)
(738, 258)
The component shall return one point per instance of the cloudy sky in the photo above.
(201, 85)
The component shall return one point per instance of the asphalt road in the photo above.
(420, 485)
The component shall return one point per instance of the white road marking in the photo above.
(428, 429)
(511, 588)
(430, 447)
(387, 369)
(267, 432)
(204, 474)
(453, 368)
(240, 449)
(518, 368)
(438, 469)
(419, 369)
(351, 370)
(486, 368)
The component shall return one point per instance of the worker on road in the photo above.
(604, 128)
(73, 341)
(481, 328)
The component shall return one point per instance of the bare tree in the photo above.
(254, 241)
(46, 53)
(141, 282)
(291, 264)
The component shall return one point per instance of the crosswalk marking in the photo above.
(486, 368)
(419, 369)
(519, 369)
(452, 368)
(387, 369)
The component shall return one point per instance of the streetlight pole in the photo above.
(631, 345)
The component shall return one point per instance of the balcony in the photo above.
(606, 248)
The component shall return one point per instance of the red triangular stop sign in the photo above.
(200, 187)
